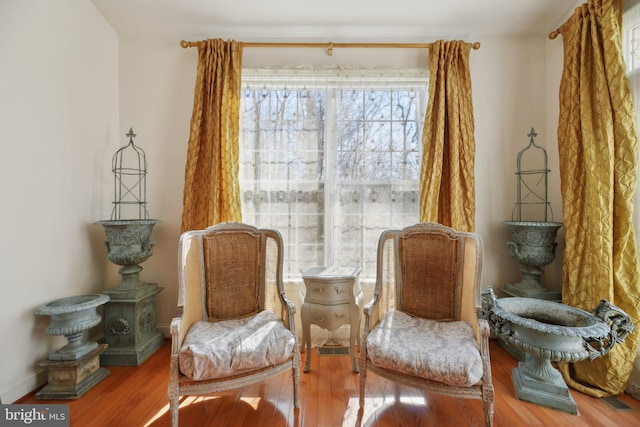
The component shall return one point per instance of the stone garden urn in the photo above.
(129, 245)
(532, 245)
(75, 368)
(553, 332)
(72, 317)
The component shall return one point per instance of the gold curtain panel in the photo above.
(447, 177)
(598, 144)
(212, 187)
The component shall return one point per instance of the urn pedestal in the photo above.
(70, 379)
(130, 327)
(130, 316)
(75, 368)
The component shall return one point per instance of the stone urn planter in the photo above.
(75, 368)
(533, 245)
(553, 332)
(129, 245)
(72, 317)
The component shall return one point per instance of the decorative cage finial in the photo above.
(529, 182)
(129, 166)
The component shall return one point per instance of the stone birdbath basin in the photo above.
(553, 332)
(71, 317)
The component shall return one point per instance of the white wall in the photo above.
(58, 126)
(508, 90)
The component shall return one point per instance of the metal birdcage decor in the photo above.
(533, 242)
(533, 195)
(129, 166)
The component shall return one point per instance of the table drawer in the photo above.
(324, 292)
(329, 317)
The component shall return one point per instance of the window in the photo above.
(631, 39)
(331, 158)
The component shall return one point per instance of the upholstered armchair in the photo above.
(234, 326)
(424, 326)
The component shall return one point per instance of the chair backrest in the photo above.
(228, 271)
(436, 270)
(429, 280)
(234, 273)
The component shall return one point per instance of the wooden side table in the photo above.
(333, 299)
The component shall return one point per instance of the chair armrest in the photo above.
(288, 304)
(290, 308)
(370, 306)
(485, 331)
(369, 310)
(483, 324)
(174, 330)
(174, 368)
(479, 312)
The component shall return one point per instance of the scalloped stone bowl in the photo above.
(550, 330)
(71, 317)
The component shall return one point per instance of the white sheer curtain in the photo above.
(331, 158)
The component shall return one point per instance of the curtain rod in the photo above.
(332, 45)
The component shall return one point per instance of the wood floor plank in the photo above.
(137, 397)
(309, 392)
(338, 375)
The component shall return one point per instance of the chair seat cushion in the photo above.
(231, 347)
(445, 352)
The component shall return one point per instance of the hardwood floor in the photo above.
(137, 396)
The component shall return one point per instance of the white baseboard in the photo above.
(36, 381)
(39, 378)
(164, 328)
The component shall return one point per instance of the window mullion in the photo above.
(331, 198)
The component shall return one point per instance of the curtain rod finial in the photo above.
(476, 46)
(184, 44)
(554, 34)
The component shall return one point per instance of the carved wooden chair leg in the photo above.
(363, 377)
